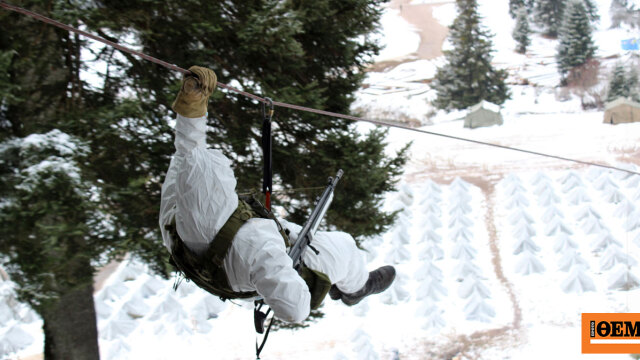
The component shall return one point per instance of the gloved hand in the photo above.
(192, 99)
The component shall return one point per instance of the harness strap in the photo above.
(221, 244)
(207, 270)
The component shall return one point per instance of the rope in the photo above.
(297, 107)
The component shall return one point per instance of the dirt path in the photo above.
(103, 274)
(432, 33)
(488, 189)
(506, 336)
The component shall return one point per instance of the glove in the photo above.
(196, 88)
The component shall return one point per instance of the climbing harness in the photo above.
(207, 270)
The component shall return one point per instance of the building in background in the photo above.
(483, 114)
(621, 110)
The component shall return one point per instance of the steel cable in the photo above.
(174, 67)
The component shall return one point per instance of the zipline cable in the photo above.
(174, 67)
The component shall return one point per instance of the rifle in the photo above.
(297, 251)
(311, 226)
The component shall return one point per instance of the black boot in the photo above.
(379, 280)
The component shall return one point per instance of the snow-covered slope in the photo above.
(497, 252)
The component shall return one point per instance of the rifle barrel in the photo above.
(310, 227)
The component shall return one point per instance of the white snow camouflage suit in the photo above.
(199, 192)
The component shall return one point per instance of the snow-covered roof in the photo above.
(485, 105)
(621, 101)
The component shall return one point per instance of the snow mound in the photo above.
(477, 309)
(570, 259)
(603, 241)
(466, 269)
(431, 236)
(151, 287)
(517, 201)
(614, 255)
(539, 178)
(578, 282)
(624, 209)
(362, 345)
(563, 243)
(623, 279)
(520, 215)
(117, 329)
(472, 286)
(525, 243)
(552, 213)
(578, 196)
(431, 289)
(529, 264)
(13, 340)
(431, 252)
(396, 293)
(556, 226)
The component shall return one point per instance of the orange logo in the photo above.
(613, 333)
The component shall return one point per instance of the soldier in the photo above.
(225, 243)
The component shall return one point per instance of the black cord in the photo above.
(266, 335)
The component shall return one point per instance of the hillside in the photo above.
(498, 252)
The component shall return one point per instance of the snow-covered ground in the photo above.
(498, 252)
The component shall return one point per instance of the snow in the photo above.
(399, 38)
(484, 234)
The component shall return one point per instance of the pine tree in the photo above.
(53, 227)
(309, 53)
(468, 77)
(592, 10)
(516, 5)
(617, 83)
(633, 84)
(549, 14)
(623, 84)
(576, 46)
(522, 31)
(621, 12)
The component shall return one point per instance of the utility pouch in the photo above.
(318, 283)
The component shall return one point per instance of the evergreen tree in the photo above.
(468, 77)
(617, 83)
(592, 10)
(516, 5)
(623, 84)
(305, 52)
(53, 227)
(576, 46)
(549, 14)
(522, 31)
(633, 84)
(621, 12)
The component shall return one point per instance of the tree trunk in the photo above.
(70, 331)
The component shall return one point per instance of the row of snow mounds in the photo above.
(555, 226)
(522, 222)
(135, 302)
(622, 191)
(599, 192)
(13, 318)
(467, 272)
(431, 289)
(398, 254)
